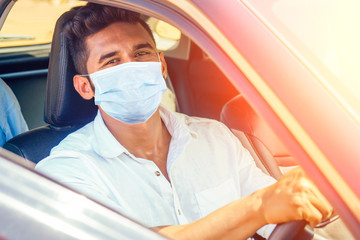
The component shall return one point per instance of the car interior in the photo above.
(201, 89)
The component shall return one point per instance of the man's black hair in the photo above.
(89, 20)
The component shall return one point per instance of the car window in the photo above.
(25, 42)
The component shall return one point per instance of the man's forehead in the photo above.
(126, 34)
(123, 30)
(119, 38)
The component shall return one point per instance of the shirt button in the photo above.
(157, 173)
(179, 212)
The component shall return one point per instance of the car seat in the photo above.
(65, 111)
(257, 136)
(210, 87)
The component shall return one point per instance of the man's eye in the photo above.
(112, 61)
(145, 56)
(142, 53)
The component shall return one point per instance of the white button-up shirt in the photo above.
(207, 166)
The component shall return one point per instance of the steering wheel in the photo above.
(294, 230)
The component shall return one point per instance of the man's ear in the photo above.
(83, 87)
(163, 65)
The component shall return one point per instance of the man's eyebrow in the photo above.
(107, 55)
(143, 45)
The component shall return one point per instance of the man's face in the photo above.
(119, 43)
(116, 44)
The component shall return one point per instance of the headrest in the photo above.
(63, 105)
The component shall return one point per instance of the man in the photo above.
(189, 177)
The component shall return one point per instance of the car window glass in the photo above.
(325, 36)
(331, 30)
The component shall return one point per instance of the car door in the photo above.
(317, 123)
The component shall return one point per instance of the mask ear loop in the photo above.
(91, 83)
(89, 80)
(160, 62)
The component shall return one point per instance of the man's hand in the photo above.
(294, 197)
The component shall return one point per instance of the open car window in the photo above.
(25, 43)
(169, 39)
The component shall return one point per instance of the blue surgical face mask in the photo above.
(130, 92)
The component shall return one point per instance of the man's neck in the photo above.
(149, 140)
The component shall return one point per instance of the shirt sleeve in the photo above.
(251, 179)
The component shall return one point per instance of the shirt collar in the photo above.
(180, 134)
(176, 123)
(107, 146)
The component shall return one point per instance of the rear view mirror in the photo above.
(166, 36)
